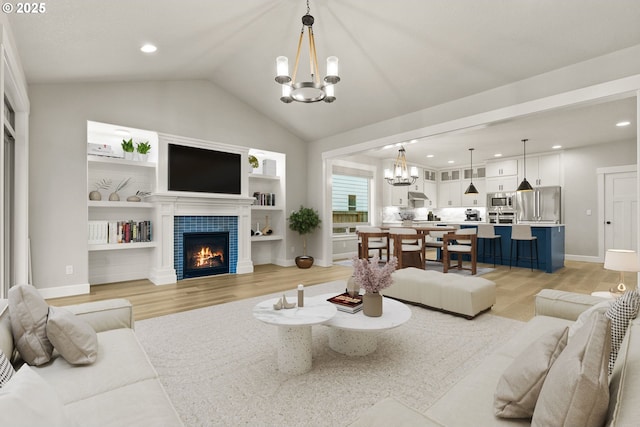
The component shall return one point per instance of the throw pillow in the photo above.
(74, 338)
(520, 384)
(576, 390)
(621, 312)
(600, 307)
(6, 370)
(28, 312)
(28, 400)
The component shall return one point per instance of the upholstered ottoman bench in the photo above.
(453, 293)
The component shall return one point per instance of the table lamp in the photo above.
(621, 260)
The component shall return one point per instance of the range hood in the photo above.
(416, 195)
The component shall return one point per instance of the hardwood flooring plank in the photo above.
(515, 293)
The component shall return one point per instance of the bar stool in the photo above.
(522, 232)
(487, 232)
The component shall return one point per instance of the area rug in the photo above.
(218, 365)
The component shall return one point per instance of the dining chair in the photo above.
(408, 247)
(460, 242)
(434, 240)
(372, 238)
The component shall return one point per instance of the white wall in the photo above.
(58, 173)
(580, 191)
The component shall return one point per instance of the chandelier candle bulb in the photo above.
(282, 69)
(300, 296)
(332, 70)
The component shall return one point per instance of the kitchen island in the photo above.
(550, 244)
(550, 247)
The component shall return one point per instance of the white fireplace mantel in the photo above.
(168, 205)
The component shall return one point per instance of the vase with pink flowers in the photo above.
(373, 276)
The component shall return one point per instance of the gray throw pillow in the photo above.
(518, 388)
(576, 390)
(28, 312)
(74, 338)
(621, 312)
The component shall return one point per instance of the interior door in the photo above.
(621, 210)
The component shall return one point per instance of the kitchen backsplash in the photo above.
(391, 213)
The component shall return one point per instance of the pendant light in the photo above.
(472, 188)
(524, 185)
(401, 175)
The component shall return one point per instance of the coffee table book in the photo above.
(345, 302)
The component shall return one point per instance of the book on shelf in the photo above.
(345, 302)
(264, 199)
(113, 232)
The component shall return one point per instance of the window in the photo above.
(350, 202)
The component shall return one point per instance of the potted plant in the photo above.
(253, 163)
(143, 149)
(304, 221)
(127, 147)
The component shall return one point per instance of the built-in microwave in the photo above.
(500, 200)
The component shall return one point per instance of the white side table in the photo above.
(356, 334)
(294, 330)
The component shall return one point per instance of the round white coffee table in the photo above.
(356, 334)
(294, 330)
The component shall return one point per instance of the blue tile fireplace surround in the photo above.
(199, 224)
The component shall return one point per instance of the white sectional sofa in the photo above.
(121, 388)
(469, 403)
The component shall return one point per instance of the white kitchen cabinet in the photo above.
(450, 194)
(507, 183)
(430, 188)
(542, 170)
(498, 168)
(419, 184)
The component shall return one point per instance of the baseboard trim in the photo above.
(64, 291)
(583, 258)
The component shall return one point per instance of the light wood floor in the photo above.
(515, 288)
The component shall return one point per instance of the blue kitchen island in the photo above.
(550, 247)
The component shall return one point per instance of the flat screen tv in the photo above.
(203, 171)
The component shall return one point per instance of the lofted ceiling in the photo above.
(396, 57)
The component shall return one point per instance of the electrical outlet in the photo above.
(69, 269)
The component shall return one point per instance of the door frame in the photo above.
(601, 172)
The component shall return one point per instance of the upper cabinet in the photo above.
(497, 168)
(449, 189)
(542, 170)
(430, 184)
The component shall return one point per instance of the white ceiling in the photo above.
(396, 57)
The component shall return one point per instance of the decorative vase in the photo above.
(353, 289)
(407, 222)
(133, 198)
(304, 261)
(113, 197)
(372, 304)
(95, 195)
(128, 155)
(143, 157)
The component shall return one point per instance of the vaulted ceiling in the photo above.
(396, 57)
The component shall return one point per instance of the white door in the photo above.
(621, 210)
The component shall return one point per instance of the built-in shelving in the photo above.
(122, 246)
(120, 204)
(269, 238)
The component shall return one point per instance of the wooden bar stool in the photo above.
(522, 233)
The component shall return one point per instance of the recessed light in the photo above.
(623, 123)
(450, 161)
(429, 156)
(497, 155)
(386, 147)
(555, 147)
(148, 48)
(413, 141)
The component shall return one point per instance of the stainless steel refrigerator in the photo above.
(540, 205)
